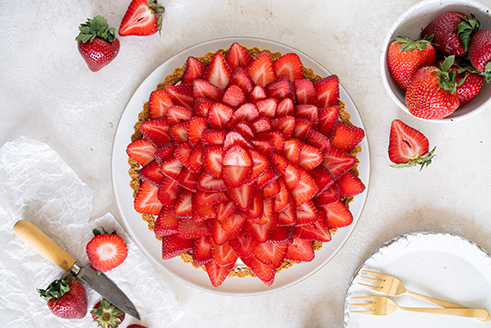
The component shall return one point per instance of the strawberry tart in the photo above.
(243, 162)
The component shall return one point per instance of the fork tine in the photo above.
(363, 312)
(374, 280)
(377, 288)
(378, 274)
(370, 299)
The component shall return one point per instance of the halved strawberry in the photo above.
(156, 131)
(305, 91)
(271, 254)
(146, 201)
(280, 89)
(261, 70)
(166, 223)
(328, 120)
(142, 151)
(291, 150)
(347, 136)
(338, 162)
(338, 215)
(193, 71)
(271, 189)
(289, 66)
(174, 245)
(106, 250)
(263, 271)
(302, 129)
(216, 273)
(265, 147)
(218, 72)
(190, 229)
(168, 191)
(143, 17)
(158, 103)
(202, 252)
(259, 165)
(234, 97)
(280, 163)
(291, 176)
(350, 184)
(275, 137)
(237, 57)
(241, 79)
(327, 90)
(266, 178)
(285, 108)
(151, 173)
(281, 199)
(203, 88)
(223, 254)
(305, 189)
(181, 94)
(300, 250)
(202, 212)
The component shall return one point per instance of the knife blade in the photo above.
(54, 253)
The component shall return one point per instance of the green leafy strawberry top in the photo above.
(408, 45)
(57, 288)
(96, 27)
(465, 29)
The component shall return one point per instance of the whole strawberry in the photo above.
(136, 326)
(66, 298)
(452, 33)
(97, 43)
(106, 250)
(480, 52)
(405, 57)
(107, 315)
(432, 93)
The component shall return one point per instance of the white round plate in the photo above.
(442, 266)
(145, 239)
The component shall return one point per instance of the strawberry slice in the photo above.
(219, 115)
(236, 156)
(288, 216)
(233, 222)
(168, 191)
(235, 137)
(347, 137)
(327, 90)
(305, 189)
(237, 57)
(247, 112)
(285, 125)
(275, 137)
(319, 141)
(225, 209)
(211, 137)
(179, 132)
(285, 108)
(188, 179)
(308, 112)
(205, 89)
(338, 215)
(156, 131)
(183, 153)
(267, 107)
(202, 251)
(234, 97)
(106, 251)
(143, 17)
(291, 176)
(243, 195)
(210, 198)
(151, 173)
(322, 178)
(309, 157)
(255, 210)
(183, 207)
(257, 94)
(220, 235)
(281, 235)
(265, 147)
(196, 126)
(174, 245)
(317, 230)
(207, 182)
(261, 124)
(216, 273)
(245, 128)
(202, 212)
(241, 79)
(328, 120)
(282, 198)
(263, 271)
(166, 223)
(280, 89)
(223, 254)
(300, 250)
(306, 213)
(172, 167)
(189, 229)
(164, 153)
(271, 189)
(146, 201)
(218, 72)
(302, 129)
(305, 92)
(243, 244)
(193, 71)
(271, 254)
(181, 94)
(261, 231)
(212, 158)
(329, 196)
(178, 114)
(338, 162)
(259, 165)
(289, 66)
(201, 106)
(196, 161)
(350, 184)
(235, 176)
(142, 151)
(261, 70)
(158, 103)
(291, 150)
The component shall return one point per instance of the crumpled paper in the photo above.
(38, 186)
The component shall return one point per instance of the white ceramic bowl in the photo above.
(410, 24)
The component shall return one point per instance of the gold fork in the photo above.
(381, 305)
(392, 286)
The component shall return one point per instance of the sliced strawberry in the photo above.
(174, 245)
(259, 165)
(247, 112)
(291, 176)
(280, 163)
(282, 198)
(193, 71)
(302, 129)
(285, 125)
(300, 250)
(179, 132)
(305, 91)
(146, 201)
(257, 94)
(261, 124)
(261, 231)
(338, 162)
(338, 215)
(219, 115)
(235, 176)
(309, 157)
(188, 179)
(241, 79)
(143, 17)
(202, 212)
(319, 141)
(207, 182)
(236, 156)
(212, 158)
(305, 189)
(288, 216)
(151, 173)
(317, 230)
(265, 147)
(202, 252)
(280, 89)
(263, 271)
(220, 235)
(327, 90)
(218, 72)
(183, 207)
(329, 196)
(289, 66)
(347, 136)
(306, 213)
(271, 189)
(328, 120)
(243, 195)
(181, 94)
(211, 198)
(105, 251)
(223, 254)
(267, 213)
(141, 151)
(281, 235)
(216, 273)
(196, 126)
(243, 244)
(166, 223)
(285, 108)
(232, 223)
(245, 128)
(308, 112)
(237, 56)
(255, 210)
(350, 184)
(168, 191)
(234, 97)
(164, 153)
(235, 137)
(322, 178)
(225, 209)
(183, 153)
(202, 88)
(211, 137)
(189, 229)
(291, 150)
(267, 107)
(156, 131)
(171, 168)
(261, 70)
(266, 178)
(271, 254)
(178, 114)
(158, 103)
(196, 161)
(275, 137)
(202, 106)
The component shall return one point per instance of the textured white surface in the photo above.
(48, 94)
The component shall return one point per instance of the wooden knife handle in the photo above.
(43, 244)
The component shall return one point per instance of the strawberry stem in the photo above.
(96, 27)
(423, 160)
(465, 29)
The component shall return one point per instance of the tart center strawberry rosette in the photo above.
(244, 154)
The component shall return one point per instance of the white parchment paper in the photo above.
(38, 186)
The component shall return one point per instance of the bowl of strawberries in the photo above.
(434, 60)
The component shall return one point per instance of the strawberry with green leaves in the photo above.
(405, 57)
(106, 250)
(97, 43)
(433, 92)
(480, 52)
(107, 315)
(143, 17)
(408, 147)
(66, 298)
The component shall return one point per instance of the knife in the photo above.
(53, 252)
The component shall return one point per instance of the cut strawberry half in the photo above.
(142, 151)
(143, 17)
(237, 57)
(261, 70)
(146, 201)
(158, 103)
(289, 66)
(193, 71)
(218, 72)
(350, 184)
(327, 90)
(106, 251)
(347, 137)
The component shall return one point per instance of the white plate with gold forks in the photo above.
(443, 266)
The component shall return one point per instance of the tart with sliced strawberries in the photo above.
(243, 162)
